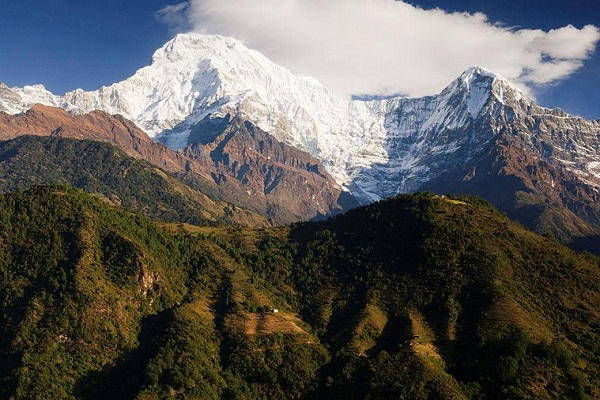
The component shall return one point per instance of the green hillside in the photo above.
(485, 307)
(103, 169)
(414, 297)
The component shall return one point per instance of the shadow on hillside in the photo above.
(395, 336)
(125, 378)
(339, 330)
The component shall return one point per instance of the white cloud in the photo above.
(386, 46)
(175, 16)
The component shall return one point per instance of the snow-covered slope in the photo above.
(428, 135)
(374, 149)
(16, 100)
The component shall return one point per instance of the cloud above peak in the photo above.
(382, 47)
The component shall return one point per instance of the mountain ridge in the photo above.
(194, 76)
(309, 191)
(388, 146)
(106, 171)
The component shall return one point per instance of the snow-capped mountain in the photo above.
(425, 136)
(373, 149)
(196, 76)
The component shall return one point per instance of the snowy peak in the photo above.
(478, 88)
(480, 77)
(475, 74)
(194, 76)
(17, 100)
(478, 84)
(239, 69)
(296, 110)
(193, 46)
(483, 85)
(476, 93)
(178, 49)
(191, 50)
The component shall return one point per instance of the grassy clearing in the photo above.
(269, 323)
(369, 328)
(423, 340)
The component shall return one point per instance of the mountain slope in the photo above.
(313, 193)
(97, 125)
(536, 191)
(103, 169)
(416, 297)
(99, 303)
(290, 182)
(464, 302)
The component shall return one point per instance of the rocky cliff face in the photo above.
(540, 168)
(289, 181)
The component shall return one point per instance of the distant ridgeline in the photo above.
(414, 297)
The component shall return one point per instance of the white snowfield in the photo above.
(372, 148)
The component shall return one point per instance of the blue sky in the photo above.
(578, 94)
(66, 44)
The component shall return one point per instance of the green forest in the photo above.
(106, 171)
(413, 297)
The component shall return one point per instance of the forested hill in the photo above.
(414, 297)
(104, 169)
(453, 292)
